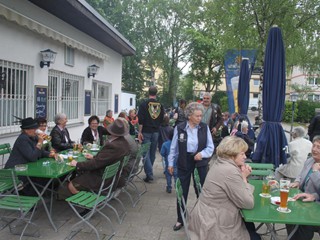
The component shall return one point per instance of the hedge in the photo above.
(303, 113)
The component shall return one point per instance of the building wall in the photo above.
(19, 44)
(128, 101)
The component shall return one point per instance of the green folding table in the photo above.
(50, 169)
(302, 213)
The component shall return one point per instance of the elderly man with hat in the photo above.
(27, 148)
(91, 171)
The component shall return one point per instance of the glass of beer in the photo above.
(284, 194)
(70, 156)
(265, 188)
(48, 138)
(75, 147)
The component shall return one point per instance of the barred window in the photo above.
(101, 98)
(64, 97)
(16, 94)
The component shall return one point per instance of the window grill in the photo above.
(101, 98)
(16, 97)
(64, 97)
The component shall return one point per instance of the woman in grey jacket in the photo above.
(216, 215)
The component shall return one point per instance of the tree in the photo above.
(302, 90)
(186, 88)
(246, 23)
(157, 29)
(206, 58)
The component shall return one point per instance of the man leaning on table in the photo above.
(91, 171)
(309, 182)
(28, 148)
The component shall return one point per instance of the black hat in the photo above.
(118, 128)
(28, 123)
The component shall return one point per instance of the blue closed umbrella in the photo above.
(244, 93)
(272, 142)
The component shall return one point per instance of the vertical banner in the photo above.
(232, 61)
(41, 101)
(87, 103)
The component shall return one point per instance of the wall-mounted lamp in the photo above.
(92, 70)
(48, 56)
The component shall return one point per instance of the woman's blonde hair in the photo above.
(231, 146)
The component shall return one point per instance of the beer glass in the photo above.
(48, 138)
(284, 194)
(70, 156)
(265, 188)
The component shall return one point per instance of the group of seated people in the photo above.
(29, 148)
(226, 190)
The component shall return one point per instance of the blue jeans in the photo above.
(168, 175)
(151, 154)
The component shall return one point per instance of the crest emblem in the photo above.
(154, 109)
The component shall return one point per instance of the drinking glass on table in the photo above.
(70, 156)
(284, 194)
(265, 188)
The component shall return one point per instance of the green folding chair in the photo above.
(261, 170)
(94, 202)
(134, 172)
(182, 207)
(23, 206)
(4, 149)
(123, 213)
(196, 178)
(142, 151)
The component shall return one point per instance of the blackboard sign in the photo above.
(116, 103)
(41, 101)
(87, 103)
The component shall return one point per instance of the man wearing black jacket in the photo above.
(150, 116)
(314, 127)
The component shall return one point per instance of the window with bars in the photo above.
(65, 95)
(16, 96)
(101, 98)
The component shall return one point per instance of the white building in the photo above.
(128, 101)
(81, 38)
(311, 83)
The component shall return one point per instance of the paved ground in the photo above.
(152, 218)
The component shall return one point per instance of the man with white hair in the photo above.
(299, 148)
(244, 135)
(212, 114)
(60, 134)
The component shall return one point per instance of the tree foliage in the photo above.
(168, 34)
(246, 23)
